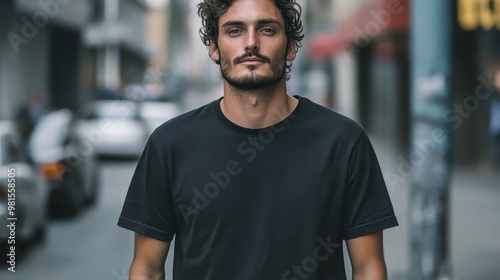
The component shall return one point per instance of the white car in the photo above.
(20, 188)
(156, 113)
(114, 127)
(66, 161)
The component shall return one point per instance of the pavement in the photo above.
(474, 221)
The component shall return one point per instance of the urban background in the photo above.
(84, 82)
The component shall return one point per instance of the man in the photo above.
(258, 184)
(495, 118)
(28, 116)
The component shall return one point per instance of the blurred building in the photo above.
(157, 33)
(476, 51)
(186, 55)
(367, 50)
(67, 49)
(42, 53)
(116, 35)
(6, 8)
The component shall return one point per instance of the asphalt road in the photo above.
(89, 246)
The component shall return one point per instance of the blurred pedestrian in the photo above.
(257, 184)
(28, 115)
(495, 119)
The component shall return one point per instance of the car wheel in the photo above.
(3, 251)
(40, 235)
(78, 198)
(94, 194)
(74, 200)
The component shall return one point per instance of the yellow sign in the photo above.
(473, 14)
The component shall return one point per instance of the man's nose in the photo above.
(251, 41)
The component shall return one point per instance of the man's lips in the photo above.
(251, 60)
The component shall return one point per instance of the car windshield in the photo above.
(50, 134)
(159, 110)
(112, 109)
(52, 129)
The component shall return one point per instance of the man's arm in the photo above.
(149, 258)
(367, 257)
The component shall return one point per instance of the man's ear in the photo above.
(291, 52)
(214, 51)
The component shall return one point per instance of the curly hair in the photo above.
(211, 10)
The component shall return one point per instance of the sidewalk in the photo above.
(474, 222)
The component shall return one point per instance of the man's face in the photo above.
(497, 80)
(252, 44)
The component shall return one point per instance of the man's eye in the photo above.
(234, 31)
(268, 30)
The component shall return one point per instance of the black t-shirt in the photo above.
(258, 204)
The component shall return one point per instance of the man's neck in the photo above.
(258, 108)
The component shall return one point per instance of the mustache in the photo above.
(250, 53)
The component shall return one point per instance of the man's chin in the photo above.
(253, 77)
(253, 82)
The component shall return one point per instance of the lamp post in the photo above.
(430, 158)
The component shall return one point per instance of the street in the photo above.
(90, 246)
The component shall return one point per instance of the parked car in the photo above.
(115, 128)
(20, 188)
(156, 113)
(67, 162)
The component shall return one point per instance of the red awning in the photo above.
(371, 21)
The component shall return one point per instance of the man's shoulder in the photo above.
(331, 121)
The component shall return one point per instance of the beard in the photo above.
(252, 81)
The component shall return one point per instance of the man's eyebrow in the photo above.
(259, 22)
(233, 23)
(268, 21)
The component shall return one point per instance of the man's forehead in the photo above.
(251, 11)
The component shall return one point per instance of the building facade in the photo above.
(65, 50)
(368, 48)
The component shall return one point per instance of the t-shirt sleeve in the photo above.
(148, 208)
(368, 207)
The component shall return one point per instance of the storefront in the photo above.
(476, 51)
(372, 45)
(376, 41)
